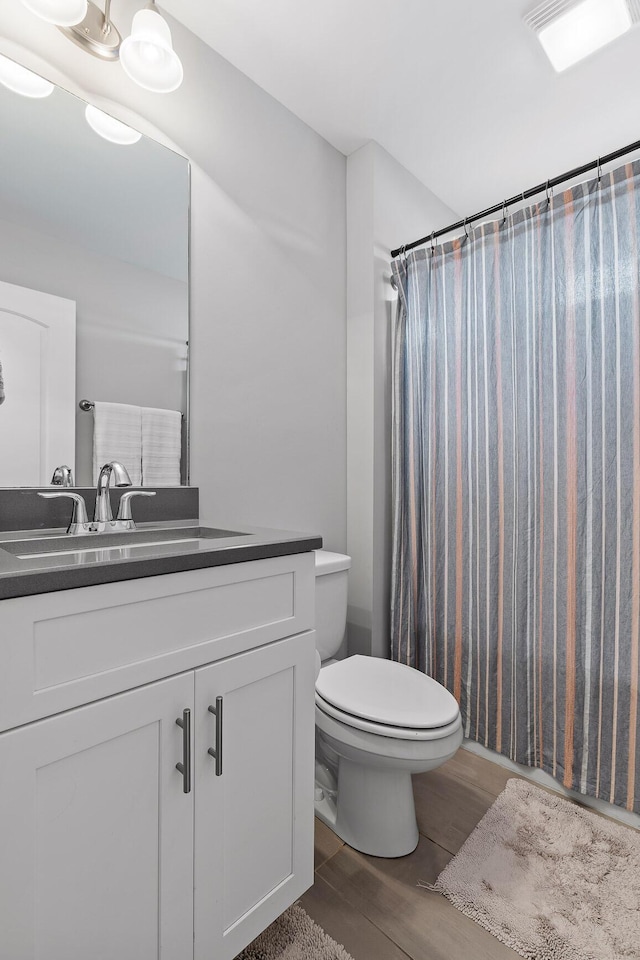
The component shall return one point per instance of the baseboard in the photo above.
(546, 780)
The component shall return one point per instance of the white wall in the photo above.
(386, 207)
(268, 277)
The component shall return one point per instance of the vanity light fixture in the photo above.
(20, 80)
(147, 56)
(108, 127)
(570, 30)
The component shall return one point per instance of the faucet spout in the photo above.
(103, 513)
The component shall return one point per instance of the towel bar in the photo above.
(88, 405)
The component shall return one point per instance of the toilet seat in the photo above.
(385, 730)
(372, 693)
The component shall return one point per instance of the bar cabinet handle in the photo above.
(217, 753)
(185, 766)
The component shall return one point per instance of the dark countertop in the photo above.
(107, 558)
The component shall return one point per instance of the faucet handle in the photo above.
(124, 508)
(79, 520)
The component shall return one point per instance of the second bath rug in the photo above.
(549, 879)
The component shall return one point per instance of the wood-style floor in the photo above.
(375, 908)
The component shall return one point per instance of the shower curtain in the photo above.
(516, 468)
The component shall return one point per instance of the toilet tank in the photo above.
(332, 584)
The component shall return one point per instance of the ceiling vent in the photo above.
(570, 30)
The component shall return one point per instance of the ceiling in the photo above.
(460, 92)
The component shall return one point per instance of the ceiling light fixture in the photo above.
(147, 56)
(109, 128)
(20, 80)
(570, 30)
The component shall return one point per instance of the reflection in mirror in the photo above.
(94, 296)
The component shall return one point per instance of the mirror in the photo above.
(94, 291)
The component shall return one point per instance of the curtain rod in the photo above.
(525, 195)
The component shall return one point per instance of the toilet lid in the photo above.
(386, 692)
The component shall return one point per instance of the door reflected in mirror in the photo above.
(94, 287)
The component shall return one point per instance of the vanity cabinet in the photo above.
(102, 852)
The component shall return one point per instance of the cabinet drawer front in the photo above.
(63, 649)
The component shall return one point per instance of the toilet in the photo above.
(377, 723)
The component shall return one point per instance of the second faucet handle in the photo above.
(124, 508)
(79, 520)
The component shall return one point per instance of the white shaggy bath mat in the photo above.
(294, 936)
(549, 879)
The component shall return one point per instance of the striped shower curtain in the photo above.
(516, 459)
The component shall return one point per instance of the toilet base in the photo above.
(383, 827)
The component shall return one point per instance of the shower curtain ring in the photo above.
(433, 243)
(599, 169)
(466, 231)
(505, 210)
(549, 192)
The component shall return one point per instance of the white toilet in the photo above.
(377, 723)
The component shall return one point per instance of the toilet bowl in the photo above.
(377, 723)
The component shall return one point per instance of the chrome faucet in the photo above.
(102, 515)
(62, 477)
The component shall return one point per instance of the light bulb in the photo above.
(17, 78)
(64, 13)
(110, 128)
(148, 57)
(149, 52)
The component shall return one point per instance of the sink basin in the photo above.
(106, 546)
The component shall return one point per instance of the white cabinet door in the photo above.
(254, 802)
(96, 833)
